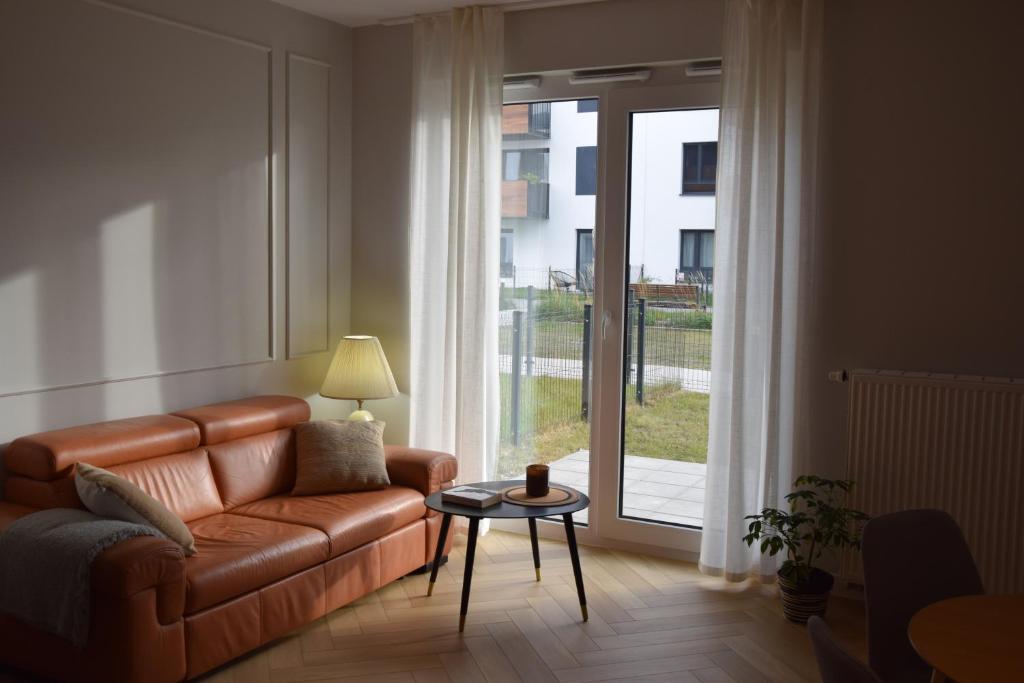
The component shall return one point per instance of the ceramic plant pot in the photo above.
(801, 601)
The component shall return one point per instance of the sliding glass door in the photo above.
(607, 293)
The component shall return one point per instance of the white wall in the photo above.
(161, 245)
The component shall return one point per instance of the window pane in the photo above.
(707, 250)
(512, 165)
(667, 324)
(546, 295)
(585, 258)
(689, 250)
(691, 161)
(586, 170)
(507, 242)
(709, 162)
(584, 106)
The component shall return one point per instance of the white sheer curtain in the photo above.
(454, 236)
(766, 214)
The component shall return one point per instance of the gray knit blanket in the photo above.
(45, 563)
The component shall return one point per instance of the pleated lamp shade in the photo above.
(359, 371)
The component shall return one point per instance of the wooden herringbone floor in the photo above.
(650, 620)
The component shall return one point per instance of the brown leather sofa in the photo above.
(267, 562)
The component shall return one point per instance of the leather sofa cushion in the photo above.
(219, 422)
(237, 554)
(183, 482)
(50, 455)
(254, 467)
(349, 519)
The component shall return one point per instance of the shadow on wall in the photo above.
(134, 205)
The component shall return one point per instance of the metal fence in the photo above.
(546, 357)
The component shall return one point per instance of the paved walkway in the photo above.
(655, 489)
(690, 379)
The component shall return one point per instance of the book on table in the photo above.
(471, 496)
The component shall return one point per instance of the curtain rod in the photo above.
(507, 7)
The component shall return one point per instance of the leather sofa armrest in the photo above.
(425, 471)
(140, 564)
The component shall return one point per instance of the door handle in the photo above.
(606, 323)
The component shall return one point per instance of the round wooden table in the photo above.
(505, 510)
(972, 639)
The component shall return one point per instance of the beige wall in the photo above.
(920, 268)
(149, 237)
(609, 33)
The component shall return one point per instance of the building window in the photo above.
(507, 244)
(700, 163)
(586, 170)
(585, 260)
(526, 164)
(697, 251)
(585, 106)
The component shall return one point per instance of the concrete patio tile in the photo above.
(663, 489)
(669, 491)
(641, 502)
(683, 508)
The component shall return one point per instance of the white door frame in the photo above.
(668, 90)
(606, 434)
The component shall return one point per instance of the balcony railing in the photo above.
(523, 199)
(526, 121)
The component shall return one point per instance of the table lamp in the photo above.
(359, 371)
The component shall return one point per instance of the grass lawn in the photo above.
(672, 425)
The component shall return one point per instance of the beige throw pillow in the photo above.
(108, 495)
(339, 456)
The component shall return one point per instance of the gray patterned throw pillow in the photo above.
(339, 456)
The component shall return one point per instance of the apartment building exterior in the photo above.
(549, 171)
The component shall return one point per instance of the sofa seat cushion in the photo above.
(236, 554)
(349, 519)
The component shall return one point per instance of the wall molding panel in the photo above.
(136, 198)
(307, 201)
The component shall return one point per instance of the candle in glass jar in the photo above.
(536, 480)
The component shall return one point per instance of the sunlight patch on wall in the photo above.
(19, 331)
(128, 295)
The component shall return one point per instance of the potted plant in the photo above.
(817, 520)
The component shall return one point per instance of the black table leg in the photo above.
(536, 548)
(446, 522)
(574, 553)
(467, 575)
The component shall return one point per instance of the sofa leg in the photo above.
(428, 566)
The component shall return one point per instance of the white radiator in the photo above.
(950, 442)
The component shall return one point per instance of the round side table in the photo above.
(505, 510)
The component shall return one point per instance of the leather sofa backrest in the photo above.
(51, 455)
(182, 481)
(220, 422)
(251, 444)
(198, 462)
(254, 467)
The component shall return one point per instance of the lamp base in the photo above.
(361, 416)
